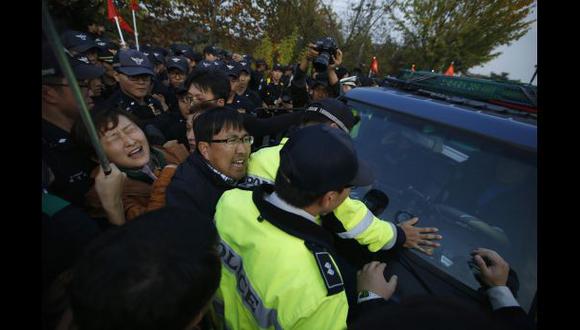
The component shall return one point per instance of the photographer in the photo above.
(325, 57)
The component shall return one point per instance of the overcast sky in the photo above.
(517, 59)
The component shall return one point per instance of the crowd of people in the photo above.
(228, 192)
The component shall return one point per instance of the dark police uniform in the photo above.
(253, 97)
(271, 92)
(242, 102)
(177, 129)
(70, 165)
(150, 113)
(257, 81)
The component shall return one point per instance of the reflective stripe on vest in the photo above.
(393, 240)
(359, 228)
(265, 317)
(254, 180)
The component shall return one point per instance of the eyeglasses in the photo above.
(189, 99)
(236, 140)
(144, 77)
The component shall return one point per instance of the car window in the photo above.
(478, 192)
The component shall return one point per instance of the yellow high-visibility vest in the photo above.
(358, 221)
(269, 278)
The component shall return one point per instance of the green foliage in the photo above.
(430, 33)
(265, 50)
(287, 48)
(437, 32)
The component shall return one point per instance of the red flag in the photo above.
(374, 65)
(134, 5)
(124, 25)
(450, 71)
(111, 10)
(112, 13)
(413, 67)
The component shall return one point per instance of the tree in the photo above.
(364, 19)
(75, 14)
(305, 20)
(223, 21)
(437, 32)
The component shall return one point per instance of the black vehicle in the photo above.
(471, 172)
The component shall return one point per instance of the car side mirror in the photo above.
(376, 200)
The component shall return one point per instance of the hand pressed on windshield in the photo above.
(371, 278)
(494, 269)
(420, 238)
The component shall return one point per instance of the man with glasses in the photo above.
(59, 112)
(178, 128)
(211, 88)
(219, 161)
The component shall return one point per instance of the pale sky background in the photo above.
(517, 59)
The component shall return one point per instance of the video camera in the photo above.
(326, 47)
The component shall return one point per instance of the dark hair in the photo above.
(158, 271)
(104, 119)
(212, 121)
(425, 312)
(291, 194)
(214, 81)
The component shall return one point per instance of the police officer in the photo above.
(186, 51)
(133, 73)
(278, 229)
(243, 85)
(158, 60)
(258, 80)
(211, 59)
(236, 101)
(272, 91)
(351, 220)
(60, 110)
(177, 70)
(288, 75)
(80, 43)
(106, 53)
(211, 54)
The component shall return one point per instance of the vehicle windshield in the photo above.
(478, 192)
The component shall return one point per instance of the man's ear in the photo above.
(203, 148)
(50, 94)
(221, 102)
(327, 199)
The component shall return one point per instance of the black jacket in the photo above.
(194, 184)
(176, 129)
(151, 109)
(70, 165)
(150, 113)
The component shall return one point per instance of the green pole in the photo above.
(56, 45)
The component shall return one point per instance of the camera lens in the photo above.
(321, 62)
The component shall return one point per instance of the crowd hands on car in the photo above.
(185, 134)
